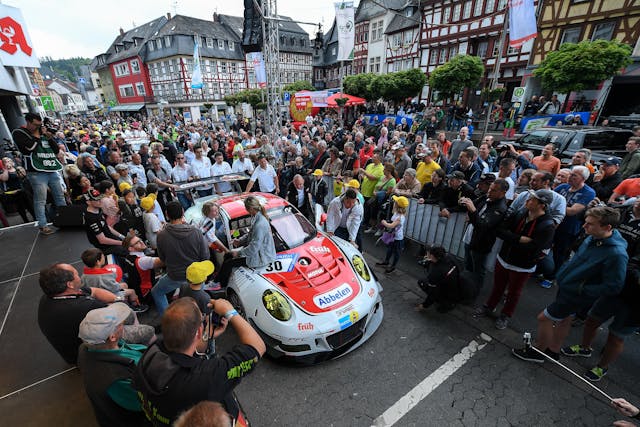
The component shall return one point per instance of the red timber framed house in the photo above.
(573, 21)
(471, 27)
(403, 39)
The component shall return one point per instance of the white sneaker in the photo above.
(378, 233)
(370, 230)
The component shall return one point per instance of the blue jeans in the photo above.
(40, 182)
(393, 252)
(184, 200)
(161, 289)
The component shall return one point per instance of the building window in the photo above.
(496, 49)
(221, 44)
(396, 40)
(408, 13)
(482, 49)
(167, 41)
(377, 30)
(223, 67)
(456, 13)
(443, 56)
(126, 91)
(209, 42)
(121, 69)
(333, 50)
(446, 15)
(159, 43)
(234, 68)
(466, 11)
(135, 66)
(140, 89)
(453, 51)
(433, 56)
(513, 50)
(502, 4)
(603, 31)
(231, 45)
(489, 6)
(571, 35)
(477, 10)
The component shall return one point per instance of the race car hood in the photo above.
(317, 276)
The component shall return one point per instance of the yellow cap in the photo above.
(353, 184)
(147, 203)
(401, 201)
(198, 272)
(124, 186)
(317, 172)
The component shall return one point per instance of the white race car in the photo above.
(317, 301)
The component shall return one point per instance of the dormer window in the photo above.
(221, 44)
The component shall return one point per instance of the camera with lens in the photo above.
(49, 125)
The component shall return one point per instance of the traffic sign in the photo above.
(518, 95)
(286, 96)
(47, 103)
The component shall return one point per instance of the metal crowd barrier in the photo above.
(423, 225)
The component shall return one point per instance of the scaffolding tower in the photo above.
(271, 53)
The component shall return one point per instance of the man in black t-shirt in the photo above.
(101, 235)
(170, 378)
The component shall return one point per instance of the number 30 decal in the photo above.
(274, 266)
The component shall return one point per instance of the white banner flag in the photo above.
(522, 22)
(16, 49)
(196, 75)
(257, 60)
(346, 30)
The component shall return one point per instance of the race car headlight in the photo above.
(276, 304)
(360, 267)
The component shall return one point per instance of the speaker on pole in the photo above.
(252, 27)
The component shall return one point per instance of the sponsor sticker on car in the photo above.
(348, 320)
(284, 263)
(333, 297)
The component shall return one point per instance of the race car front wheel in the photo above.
(234, 299)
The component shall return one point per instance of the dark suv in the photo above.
(602, 141)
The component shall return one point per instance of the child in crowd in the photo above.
(396, 226)
(96, 276)
(130, 211)
(109, 204)
(152, 190)
(151, 222)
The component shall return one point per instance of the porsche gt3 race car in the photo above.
(318, 300)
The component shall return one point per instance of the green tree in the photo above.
(401, 85)
(580, 66)
(357, 85)
(298, 86)
(460, 72)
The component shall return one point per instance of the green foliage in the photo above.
(460, 72)
(493, 94)
(65, 67)
(392, 87)
(580, 66)
(252, 97)
(298, 86)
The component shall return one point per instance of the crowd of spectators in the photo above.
(528, 216)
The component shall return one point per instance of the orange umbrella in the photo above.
(351, 100)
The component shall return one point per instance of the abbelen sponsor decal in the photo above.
(331, 298)
(319, 249)
(305, 326)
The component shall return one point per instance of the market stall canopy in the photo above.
(351, 100)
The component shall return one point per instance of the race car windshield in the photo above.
(290, 229)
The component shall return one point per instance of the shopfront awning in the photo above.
(127, 107)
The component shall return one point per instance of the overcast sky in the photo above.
(68, 28)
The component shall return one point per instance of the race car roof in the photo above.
(234, 205)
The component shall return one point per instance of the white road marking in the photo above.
(37, 383)
(426, 386)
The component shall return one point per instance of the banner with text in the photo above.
(346, 30)
(257, 60)
(16, 49)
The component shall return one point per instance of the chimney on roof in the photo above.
(121, 31)
(168, 15)
(215, 17)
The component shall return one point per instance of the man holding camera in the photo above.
(41, 164)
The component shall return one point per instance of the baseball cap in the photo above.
(545, 196)
(93, 195)
(353, 183)
(121, 167)
(147, 203)
(401, 201)
(197, 272)
(487, 177)
(397, 145)
(317, 172)
(124, 186)
(611, 161)
(90, 149)
(99, 323)
(456, 175)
